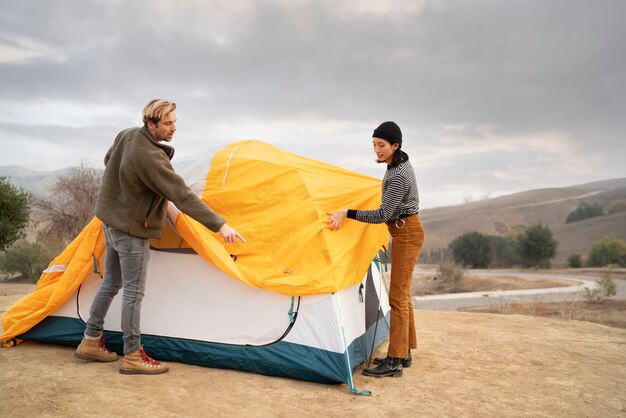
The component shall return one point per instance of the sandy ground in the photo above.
(468, 364)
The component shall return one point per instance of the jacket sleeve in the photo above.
(391, 199)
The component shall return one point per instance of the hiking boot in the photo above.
(406, 362)
(390, 366)
(140, 363)
(93, 349)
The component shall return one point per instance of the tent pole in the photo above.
(380, 286)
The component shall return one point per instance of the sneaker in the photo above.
(93, 349)
(140, 363)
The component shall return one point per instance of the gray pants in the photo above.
(126, 265)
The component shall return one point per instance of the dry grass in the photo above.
(610, 312)
(429, 284)
(614, 273)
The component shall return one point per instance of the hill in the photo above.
(508, 215)
(503, 215)
(34, 181)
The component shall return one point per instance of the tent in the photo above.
(297, 300)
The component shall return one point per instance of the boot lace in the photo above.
(103, 346)
(147, 359)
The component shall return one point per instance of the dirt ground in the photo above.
(468, 364)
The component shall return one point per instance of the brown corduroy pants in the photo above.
(407, 240)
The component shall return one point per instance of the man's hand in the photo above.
(229, 234)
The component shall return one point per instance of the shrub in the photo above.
(473, 249)
(600, 294)
(450, 277)
(617, 205)
(584, 211)
(575, 261)
(608, 250)
(14, 212)
(536, 247)
(25, 258)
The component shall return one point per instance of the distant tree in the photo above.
(505, 251)
(70, 205)
(617, 205)
(575, 261)
(606, 251)
(585, 211)
(473, 249)
(27, 259)
(536, 247)
(14, 212)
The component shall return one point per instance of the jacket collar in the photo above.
(169, 151)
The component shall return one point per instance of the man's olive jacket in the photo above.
(138, 181)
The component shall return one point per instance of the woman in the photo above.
(398, 209)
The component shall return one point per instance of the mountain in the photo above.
(34, 181)
(508, 215)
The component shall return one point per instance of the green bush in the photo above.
(473, 249)
(608, 250)
(26, 259)
(585, 211)
(575, 261)
(600, 294)
(14, 212)
(536, 247)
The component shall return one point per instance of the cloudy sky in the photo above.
(493, 96)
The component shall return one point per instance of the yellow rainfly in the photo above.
(276, 200)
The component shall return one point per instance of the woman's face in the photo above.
(384, 149)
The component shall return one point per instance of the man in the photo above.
(132, 203)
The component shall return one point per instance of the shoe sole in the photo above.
(91, 358)
(394, 374)
(122, 371)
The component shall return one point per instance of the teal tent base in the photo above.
(282, 358)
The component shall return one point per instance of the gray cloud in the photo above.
(288, 71)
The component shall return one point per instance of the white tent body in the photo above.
(195, 313)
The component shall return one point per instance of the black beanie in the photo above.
(389, 131)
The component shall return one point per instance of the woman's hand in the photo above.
(336, 219)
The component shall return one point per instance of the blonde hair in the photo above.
(156, 110)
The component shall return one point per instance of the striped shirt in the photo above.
(400, 196)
